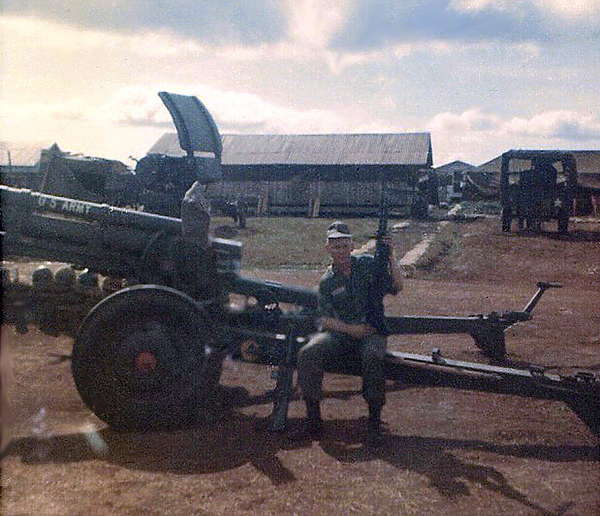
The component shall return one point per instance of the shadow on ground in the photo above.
(237, 439)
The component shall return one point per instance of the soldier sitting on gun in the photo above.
(194, 271)
(196, 275)
(343, 305)
(195, 215)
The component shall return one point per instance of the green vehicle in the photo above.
(537, 186)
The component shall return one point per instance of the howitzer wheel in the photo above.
(139, 358)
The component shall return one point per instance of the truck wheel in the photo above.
(563, 222)
(138, 358)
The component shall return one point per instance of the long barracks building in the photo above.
(318, 174)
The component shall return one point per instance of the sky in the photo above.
(482, 76)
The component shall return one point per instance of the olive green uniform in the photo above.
(345, 298)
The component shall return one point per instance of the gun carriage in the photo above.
(149, 340)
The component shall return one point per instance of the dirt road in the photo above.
(445, 452)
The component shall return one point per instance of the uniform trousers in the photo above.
(333, 346)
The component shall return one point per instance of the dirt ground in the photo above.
(445, 452)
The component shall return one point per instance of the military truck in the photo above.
(537, 186)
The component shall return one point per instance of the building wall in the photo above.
(313, 197)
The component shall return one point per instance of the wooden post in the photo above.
(315, 207)
(595, 198)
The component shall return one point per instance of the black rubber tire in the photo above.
(143, 320)
(563, 222)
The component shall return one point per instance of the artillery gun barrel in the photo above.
(19, 200)
(112, 241)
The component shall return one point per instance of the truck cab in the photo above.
(537, 186)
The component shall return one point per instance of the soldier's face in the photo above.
(340, 249)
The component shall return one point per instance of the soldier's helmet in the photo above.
(338, 229)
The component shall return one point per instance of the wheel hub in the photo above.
(145, 362)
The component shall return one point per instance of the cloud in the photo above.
(133, 118)
(136, 106)
(73, 110)
(303, 76)
(477, 135)
(474, 119)
(572, 9)
(237, 111)
(340, 33)
(314, 22)
(244, 21)
(112, 49)
(557, 125)
(62, 39)
(470, 135)
(234, 111)
(376, 23)
(563, 125)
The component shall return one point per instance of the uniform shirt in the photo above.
(346, 297)
(195, 215)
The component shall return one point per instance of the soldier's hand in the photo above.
(360, 331)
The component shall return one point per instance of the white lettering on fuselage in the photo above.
(70, 206)
(47, 202)
(75, 207)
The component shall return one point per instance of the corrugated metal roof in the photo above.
(454, 166)
(316, 149)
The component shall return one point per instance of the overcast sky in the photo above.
(482, 76)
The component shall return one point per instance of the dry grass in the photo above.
(295, 243)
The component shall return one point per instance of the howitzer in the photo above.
(147, 355)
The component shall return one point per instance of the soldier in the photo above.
(344, 331)
(195, 215)
(196, 275)
(193, 270)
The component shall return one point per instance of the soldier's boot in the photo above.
(314, 419)
(374, 431)
(312, 426)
